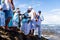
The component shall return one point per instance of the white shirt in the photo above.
(6, 5)
(31, 14)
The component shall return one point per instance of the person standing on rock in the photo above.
(37, 24)
(31, 14)
(8, 7)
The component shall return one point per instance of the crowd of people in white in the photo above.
(29, 22)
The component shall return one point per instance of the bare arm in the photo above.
(12, 5)
(11, 1)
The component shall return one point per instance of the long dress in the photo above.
(25, 28)
(14, 21)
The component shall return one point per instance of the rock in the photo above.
(15, 35)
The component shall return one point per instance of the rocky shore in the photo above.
(16, 35)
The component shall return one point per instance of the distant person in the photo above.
(31, 14)
(8, 7)
(2, 18)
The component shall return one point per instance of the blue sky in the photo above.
(23, 5)
(50, 9)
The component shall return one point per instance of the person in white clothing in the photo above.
(14, 22)
(37, 24)
(8, 10)
(31, 14)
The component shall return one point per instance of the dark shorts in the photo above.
(8, 13)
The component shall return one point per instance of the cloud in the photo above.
(22, 5)
(55, 10)
(15, 2)
(36, 4)
(52, 17)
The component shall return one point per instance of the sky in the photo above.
(50, 9)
